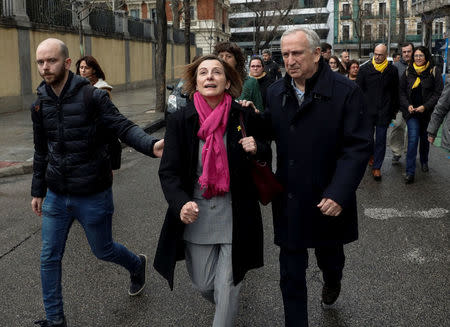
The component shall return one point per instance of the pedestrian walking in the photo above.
(213, 220)
(345, 58)
(397, 137)
(336, 65)
(88, 67)
(379, 82)
(233, 55)
(353, 69)
(420, 88)
(256, 66)
(270, 66)
(72, 171)
(439, 115)
(319, 123)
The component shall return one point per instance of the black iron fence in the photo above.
(102, 20)
(136, 28)
(50, 12)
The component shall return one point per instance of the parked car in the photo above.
(177, 98)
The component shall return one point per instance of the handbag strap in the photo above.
(241, 122)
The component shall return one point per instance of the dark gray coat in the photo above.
(323, 147)
(440, 114)
(178, 176)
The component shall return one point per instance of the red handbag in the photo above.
(267, 185)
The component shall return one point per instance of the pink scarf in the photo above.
(215, 178)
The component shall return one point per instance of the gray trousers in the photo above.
(211, 272)
(398, 136)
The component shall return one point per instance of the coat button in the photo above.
(290, 196)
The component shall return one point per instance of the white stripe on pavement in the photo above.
(386, 213)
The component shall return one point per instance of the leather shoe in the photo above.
(330, 293)
(425, 168)
(409, 179)
(376, 173)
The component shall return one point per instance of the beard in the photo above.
(56, 78)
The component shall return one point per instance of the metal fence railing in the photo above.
(7, 11)
(102, 20)
(50, 12)
(136, 28)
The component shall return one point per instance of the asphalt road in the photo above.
(397, 274)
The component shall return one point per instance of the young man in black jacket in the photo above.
(72, 170)
(271, 67)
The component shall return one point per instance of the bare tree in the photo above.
(268, 15)
(187, 31)
(401, 18)
(161, 54)
(177, 10)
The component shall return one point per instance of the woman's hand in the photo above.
(420, 109)
(411, 109)
(248, 144)
(248, 103)
(189, 212)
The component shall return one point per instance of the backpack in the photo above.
(114, 146)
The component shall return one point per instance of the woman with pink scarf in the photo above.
(214, 220)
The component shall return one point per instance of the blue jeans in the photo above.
(417, 133)
(379, 150)
(94, 212)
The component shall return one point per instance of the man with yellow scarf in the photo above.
(379, 83)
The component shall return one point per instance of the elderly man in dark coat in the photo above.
(379, 82)
(318, 121)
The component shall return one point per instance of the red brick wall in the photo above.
(205, 9)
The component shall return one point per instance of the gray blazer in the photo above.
(439, 114)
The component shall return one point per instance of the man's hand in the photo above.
(431, 139)
(329, 208)
(189, 212)
(248, 103)
(158, 148)
(36, 205)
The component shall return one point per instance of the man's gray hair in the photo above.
(311, 36)
(267, 51)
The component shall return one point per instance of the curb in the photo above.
(27, 167)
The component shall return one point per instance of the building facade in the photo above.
(361, 24)
(251, 21)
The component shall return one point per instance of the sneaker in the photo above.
(395, 160)
(409, 179)
(425, 168)
(137, 283)
(330, 293)
(47, 323)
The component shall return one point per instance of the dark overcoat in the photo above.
(323, 146)
(380, 92)
(177, 173)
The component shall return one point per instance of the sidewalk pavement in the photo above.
(16, 129)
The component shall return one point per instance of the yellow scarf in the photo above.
(419, 70)
(380, 67)
(261, 76)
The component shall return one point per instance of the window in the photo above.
(382, 9)
(346, 9)
(419, 28)
(135, 13)
(345, 33)
(382, 31)
(367, 32)
(439, 28)
(367, 9)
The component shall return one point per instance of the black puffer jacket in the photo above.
(71, 155)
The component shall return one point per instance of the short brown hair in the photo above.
(190, 77)
(237, 53)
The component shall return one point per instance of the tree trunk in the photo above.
(187, 31)
(402, 27)
(161, 53)
(176, 14)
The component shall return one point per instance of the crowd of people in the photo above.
(322, 115)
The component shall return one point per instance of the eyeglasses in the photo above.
(255, 66)
(419, 56)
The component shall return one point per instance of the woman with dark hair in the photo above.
(89, 68)
(420, 87)
(256, 66)
(353, 68)
(232, 55)
(336, 65)
(213, 220)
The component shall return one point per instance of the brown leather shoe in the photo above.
(371, 161)
(376, 173)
